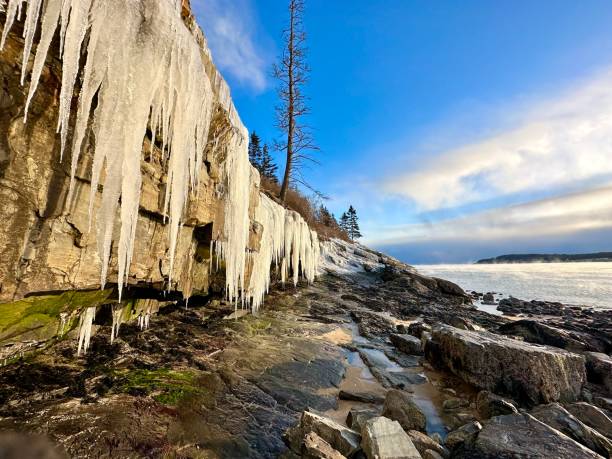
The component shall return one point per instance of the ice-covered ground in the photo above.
(343, 257)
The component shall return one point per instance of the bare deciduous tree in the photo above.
(292, 74)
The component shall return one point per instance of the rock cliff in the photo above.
(52, 250)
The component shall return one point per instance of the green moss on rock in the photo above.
(38, 317)
(164, 385)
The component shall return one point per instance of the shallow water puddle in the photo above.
(355, 361)
(369, 366)
(359, 379)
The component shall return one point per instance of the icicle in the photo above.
(75, 34)
(237, 175)
(85, 324)
(49, 25)
(11, 12)
(63, 317)
(287, 239)
(117, 313)
(28, 33)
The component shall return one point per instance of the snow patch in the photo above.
(341, 257)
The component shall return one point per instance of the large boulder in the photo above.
(424, 443)
(407, 343)
(539, 333)
(417, 329)
(488, 298)
(529, 373)
(339, 437)
(357, 418)
(489, 405)
(559, 418)
(466, 434)
(400, 407)
(522, 436)
(317, 448)
(385, 439)
(592, 416)
(599, 369)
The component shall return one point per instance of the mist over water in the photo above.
(583, 284)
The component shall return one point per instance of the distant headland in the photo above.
(548, 258)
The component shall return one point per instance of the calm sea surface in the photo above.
(584, 284)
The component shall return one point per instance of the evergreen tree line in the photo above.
(261, 159)
(349, 222)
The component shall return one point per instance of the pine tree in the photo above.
(352, 224)
(255, 152)
(327, 218)
(344, 223)
(292, 75)
(268, 167)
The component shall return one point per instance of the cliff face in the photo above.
(48, 247)
(49, 244)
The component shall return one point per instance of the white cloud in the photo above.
(555, 145)
(572, 213)
(229, 29)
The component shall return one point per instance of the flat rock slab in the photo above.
(407, 343)
(385, 439)
(592, 416)
(523, 436)
(559, 418)
(530, 373)
(317, 448)
(363, 397)
(339, 437)
(536, 332)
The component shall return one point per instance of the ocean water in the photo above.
(583, 284)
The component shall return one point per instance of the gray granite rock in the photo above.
(523, 436)
(592, 416)
(385, 439)
(559, 418)
(400, 407)
(529, 373)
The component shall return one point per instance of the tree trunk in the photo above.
(290, 110)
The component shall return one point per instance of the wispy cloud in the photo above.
(229, 26)
(573, 213)
(565, 141)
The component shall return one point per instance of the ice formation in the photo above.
(144, 68)
(85, 324)
(117, 313)
(286, 242)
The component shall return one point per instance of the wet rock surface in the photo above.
(562, 420)
(520, 435)
(532, 374)
(203, 381)
(592, 416)
(385, 439)
(399, 406)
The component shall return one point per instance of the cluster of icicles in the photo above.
(145, 69)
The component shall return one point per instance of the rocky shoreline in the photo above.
(374, 362)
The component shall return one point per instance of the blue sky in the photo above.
(458, 129)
